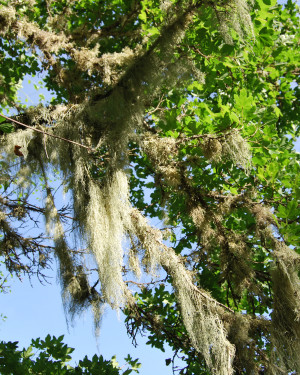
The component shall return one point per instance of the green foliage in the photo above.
(5, 127)
(51, 356)
(15, 64)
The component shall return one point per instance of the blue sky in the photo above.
(34, 310)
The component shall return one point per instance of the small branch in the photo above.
(28, 206)
(45, 133)
(200, 53)
(143, 285)
(213, 300)
(157, 108)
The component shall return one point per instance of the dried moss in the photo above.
(106, 221)
(199, 312)
(212, 149)
(286, 309)
(236, 149)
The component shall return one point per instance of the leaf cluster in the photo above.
(51, 356)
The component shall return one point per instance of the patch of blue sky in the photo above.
(35, 310)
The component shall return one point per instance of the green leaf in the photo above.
(7, 127)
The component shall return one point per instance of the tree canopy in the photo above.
(177, 112)
(51, 357)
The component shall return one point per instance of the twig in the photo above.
(155, 109)
(200, 53)
(213, 300)
(143, 285)
(29, 206)
(45, 133)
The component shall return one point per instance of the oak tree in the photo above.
(182, 113)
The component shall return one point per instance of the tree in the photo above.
(51, 356)
(196, 103)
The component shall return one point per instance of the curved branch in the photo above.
(45, 133)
